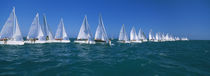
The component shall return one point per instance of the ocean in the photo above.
(179, 58)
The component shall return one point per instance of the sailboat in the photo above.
(100, 35)
(123, 38)
(36, 34)
(47, 32)
(61, 35)
(142, 36)
(151, 37)
(156, 37)
(10, 33)
(133, 36)
(85, 35)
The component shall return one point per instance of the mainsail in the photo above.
(36, 30)
(11, 28)
(85, 32)
(46, 30)
(123, 36)
(101, 32)
(133, 35)
(61, 32)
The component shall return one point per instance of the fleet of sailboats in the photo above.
(11, 34)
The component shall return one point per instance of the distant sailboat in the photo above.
(47, 32)
(123, 38)
(142, 36)
(133, 36)
(10, 33)
(156, 37)
(36, 34)
(85, 35)
(61, 35)
(100, 35)
(151, 37)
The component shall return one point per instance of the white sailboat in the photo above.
(123, 38)
(142, 36)
(85, 35)
(100, 35)
(36, 34)
(133, 36)
(157, 39)
(61, 35)
(151, 36)
(47, 32)
(10, 33)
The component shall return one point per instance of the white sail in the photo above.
(61, 32)
(85, 32)
(101, 32)
(46, 30)
(133, 35)
(150, 35)
(36, 30)
(123, 36)
(157, 36)
(141, 35)
(11, 28)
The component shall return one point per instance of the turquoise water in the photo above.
(180, 58)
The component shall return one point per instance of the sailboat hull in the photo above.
(84, 42)
(60, 41)
(12, 42)
(136, 41)
(124, 41)
(35, 42)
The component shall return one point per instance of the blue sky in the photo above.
(189, 18)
